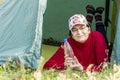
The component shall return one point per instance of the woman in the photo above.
(88, 47)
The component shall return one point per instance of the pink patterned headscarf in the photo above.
(77, 19)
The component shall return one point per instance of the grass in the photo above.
(48, 51)
(18, 72)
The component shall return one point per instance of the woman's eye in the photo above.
(74, 29)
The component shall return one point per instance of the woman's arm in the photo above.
(100, 49)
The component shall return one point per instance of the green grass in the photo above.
(48, 51)
(18, 72)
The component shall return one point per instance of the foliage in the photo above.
(18, 72)
(106, 74)
(11, 70)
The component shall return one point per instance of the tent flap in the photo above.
(21, 30)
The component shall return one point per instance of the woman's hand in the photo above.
(73, 63)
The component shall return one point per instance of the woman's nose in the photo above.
(79, 31)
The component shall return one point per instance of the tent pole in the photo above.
(107, 14)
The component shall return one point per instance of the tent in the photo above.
(117, 36)
(21, 30)
(58, 12)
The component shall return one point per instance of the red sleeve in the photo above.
(56, 61)
(100, 46)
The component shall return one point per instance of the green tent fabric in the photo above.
(117, 36)
(21, 31)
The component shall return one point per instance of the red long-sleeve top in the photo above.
(90, 52)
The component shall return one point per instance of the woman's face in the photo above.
(80, 33)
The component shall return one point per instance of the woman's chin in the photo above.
(81, 41)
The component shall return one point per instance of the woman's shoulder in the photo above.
(96, 32)
(97, 35)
